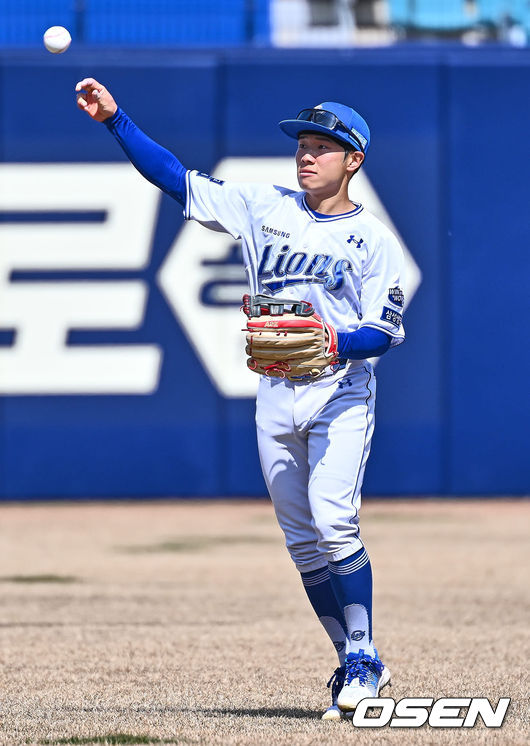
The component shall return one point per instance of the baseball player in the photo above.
(314, 430)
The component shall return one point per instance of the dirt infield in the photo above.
(185, 623)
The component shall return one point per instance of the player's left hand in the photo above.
(287, 339)
(95, 99)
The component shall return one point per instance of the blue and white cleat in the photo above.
(336, 683)
(364, 677)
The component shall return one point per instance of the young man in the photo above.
(313, 435)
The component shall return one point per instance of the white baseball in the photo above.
(57, 39)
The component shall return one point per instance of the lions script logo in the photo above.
(314, 268)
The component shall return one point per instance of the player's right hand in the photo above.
(94, 98)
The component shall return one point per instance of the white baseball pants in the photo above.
(314, 440)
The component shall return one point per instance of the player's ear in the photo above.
(354, 161)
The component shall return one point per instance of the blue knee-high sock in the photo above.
(323, 600)
(351, 580)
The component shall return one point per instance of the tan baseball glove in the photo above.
(287, 339)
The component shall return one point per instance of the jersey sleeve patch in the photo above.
(393, 317)
(396, 296)
(220, 182)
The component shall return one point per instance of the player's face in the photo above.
(322, 165)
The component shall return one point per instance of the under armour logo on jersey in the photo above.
(345, 382)
(356, 241)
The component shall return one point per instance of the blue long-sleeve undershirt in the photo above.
(363, 343)
(164, 170)
(154, 162)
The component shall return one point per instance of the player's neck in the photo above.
(336, 204)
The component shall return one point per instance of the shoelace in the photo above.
(337, 682)
(360, 665)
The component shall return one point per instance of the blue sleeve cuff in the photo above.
(363, 343)
(111, 121)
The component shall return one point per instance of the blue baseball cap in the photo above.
(338, 121)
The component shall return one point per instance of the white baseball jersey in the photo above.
(348, 266)
(313, 437)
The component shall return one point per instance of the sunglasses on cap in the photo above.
(328, 120)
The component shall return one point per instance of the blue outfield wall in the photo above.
(448, 163)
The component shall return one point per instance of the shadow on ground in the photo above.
(262, 712)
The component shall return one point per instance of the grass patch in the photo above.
(39, 579)
(195, 544)
(111, 740)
